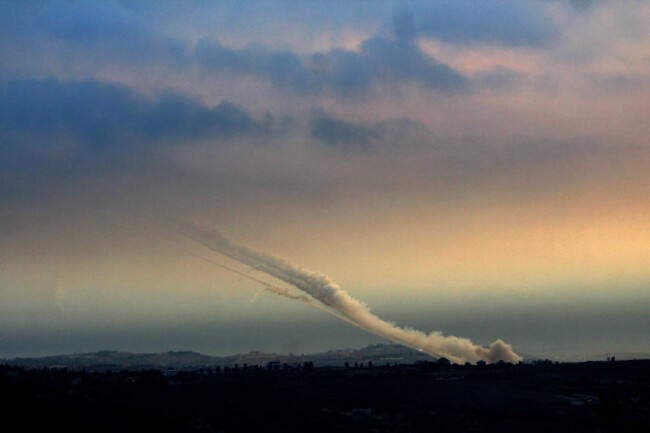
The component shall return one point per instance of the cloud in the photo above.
(346, 135)
(96, 39)
(107, 32)
(580, 5)
(381, 61)
(341, 134)
(100, 114)
(402, 60)
(499, 22)
(284, 68)
(54, 131)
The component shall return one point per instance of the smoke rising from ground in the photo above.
(326, 291)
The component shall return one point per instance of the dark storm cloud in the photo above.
(507, 23)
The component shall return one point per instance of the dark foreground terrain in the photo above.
(426, 397)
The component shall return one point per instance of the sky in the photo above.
(478, 168)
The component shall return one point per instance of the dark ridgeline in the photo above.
(103, 360)
(612, 396)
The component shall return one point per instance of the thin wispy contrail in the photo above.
(331, 295)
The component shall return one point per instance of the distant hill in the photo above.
(379, 354)
(109, 359)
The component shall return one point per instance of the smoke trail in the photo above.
(268, 287)
(325, 290)
(272, 288)
(257, 295)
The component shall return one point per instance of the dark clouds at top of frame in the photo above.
(380, 62)
(116, 33)
(501, 22)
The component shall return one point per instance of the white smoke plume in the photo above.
(327, 292)
(272, 288)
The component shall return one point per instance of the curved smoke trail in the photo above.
(326, 291)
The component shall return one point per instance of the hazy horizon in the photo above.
(478, 168)
(564, 338)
